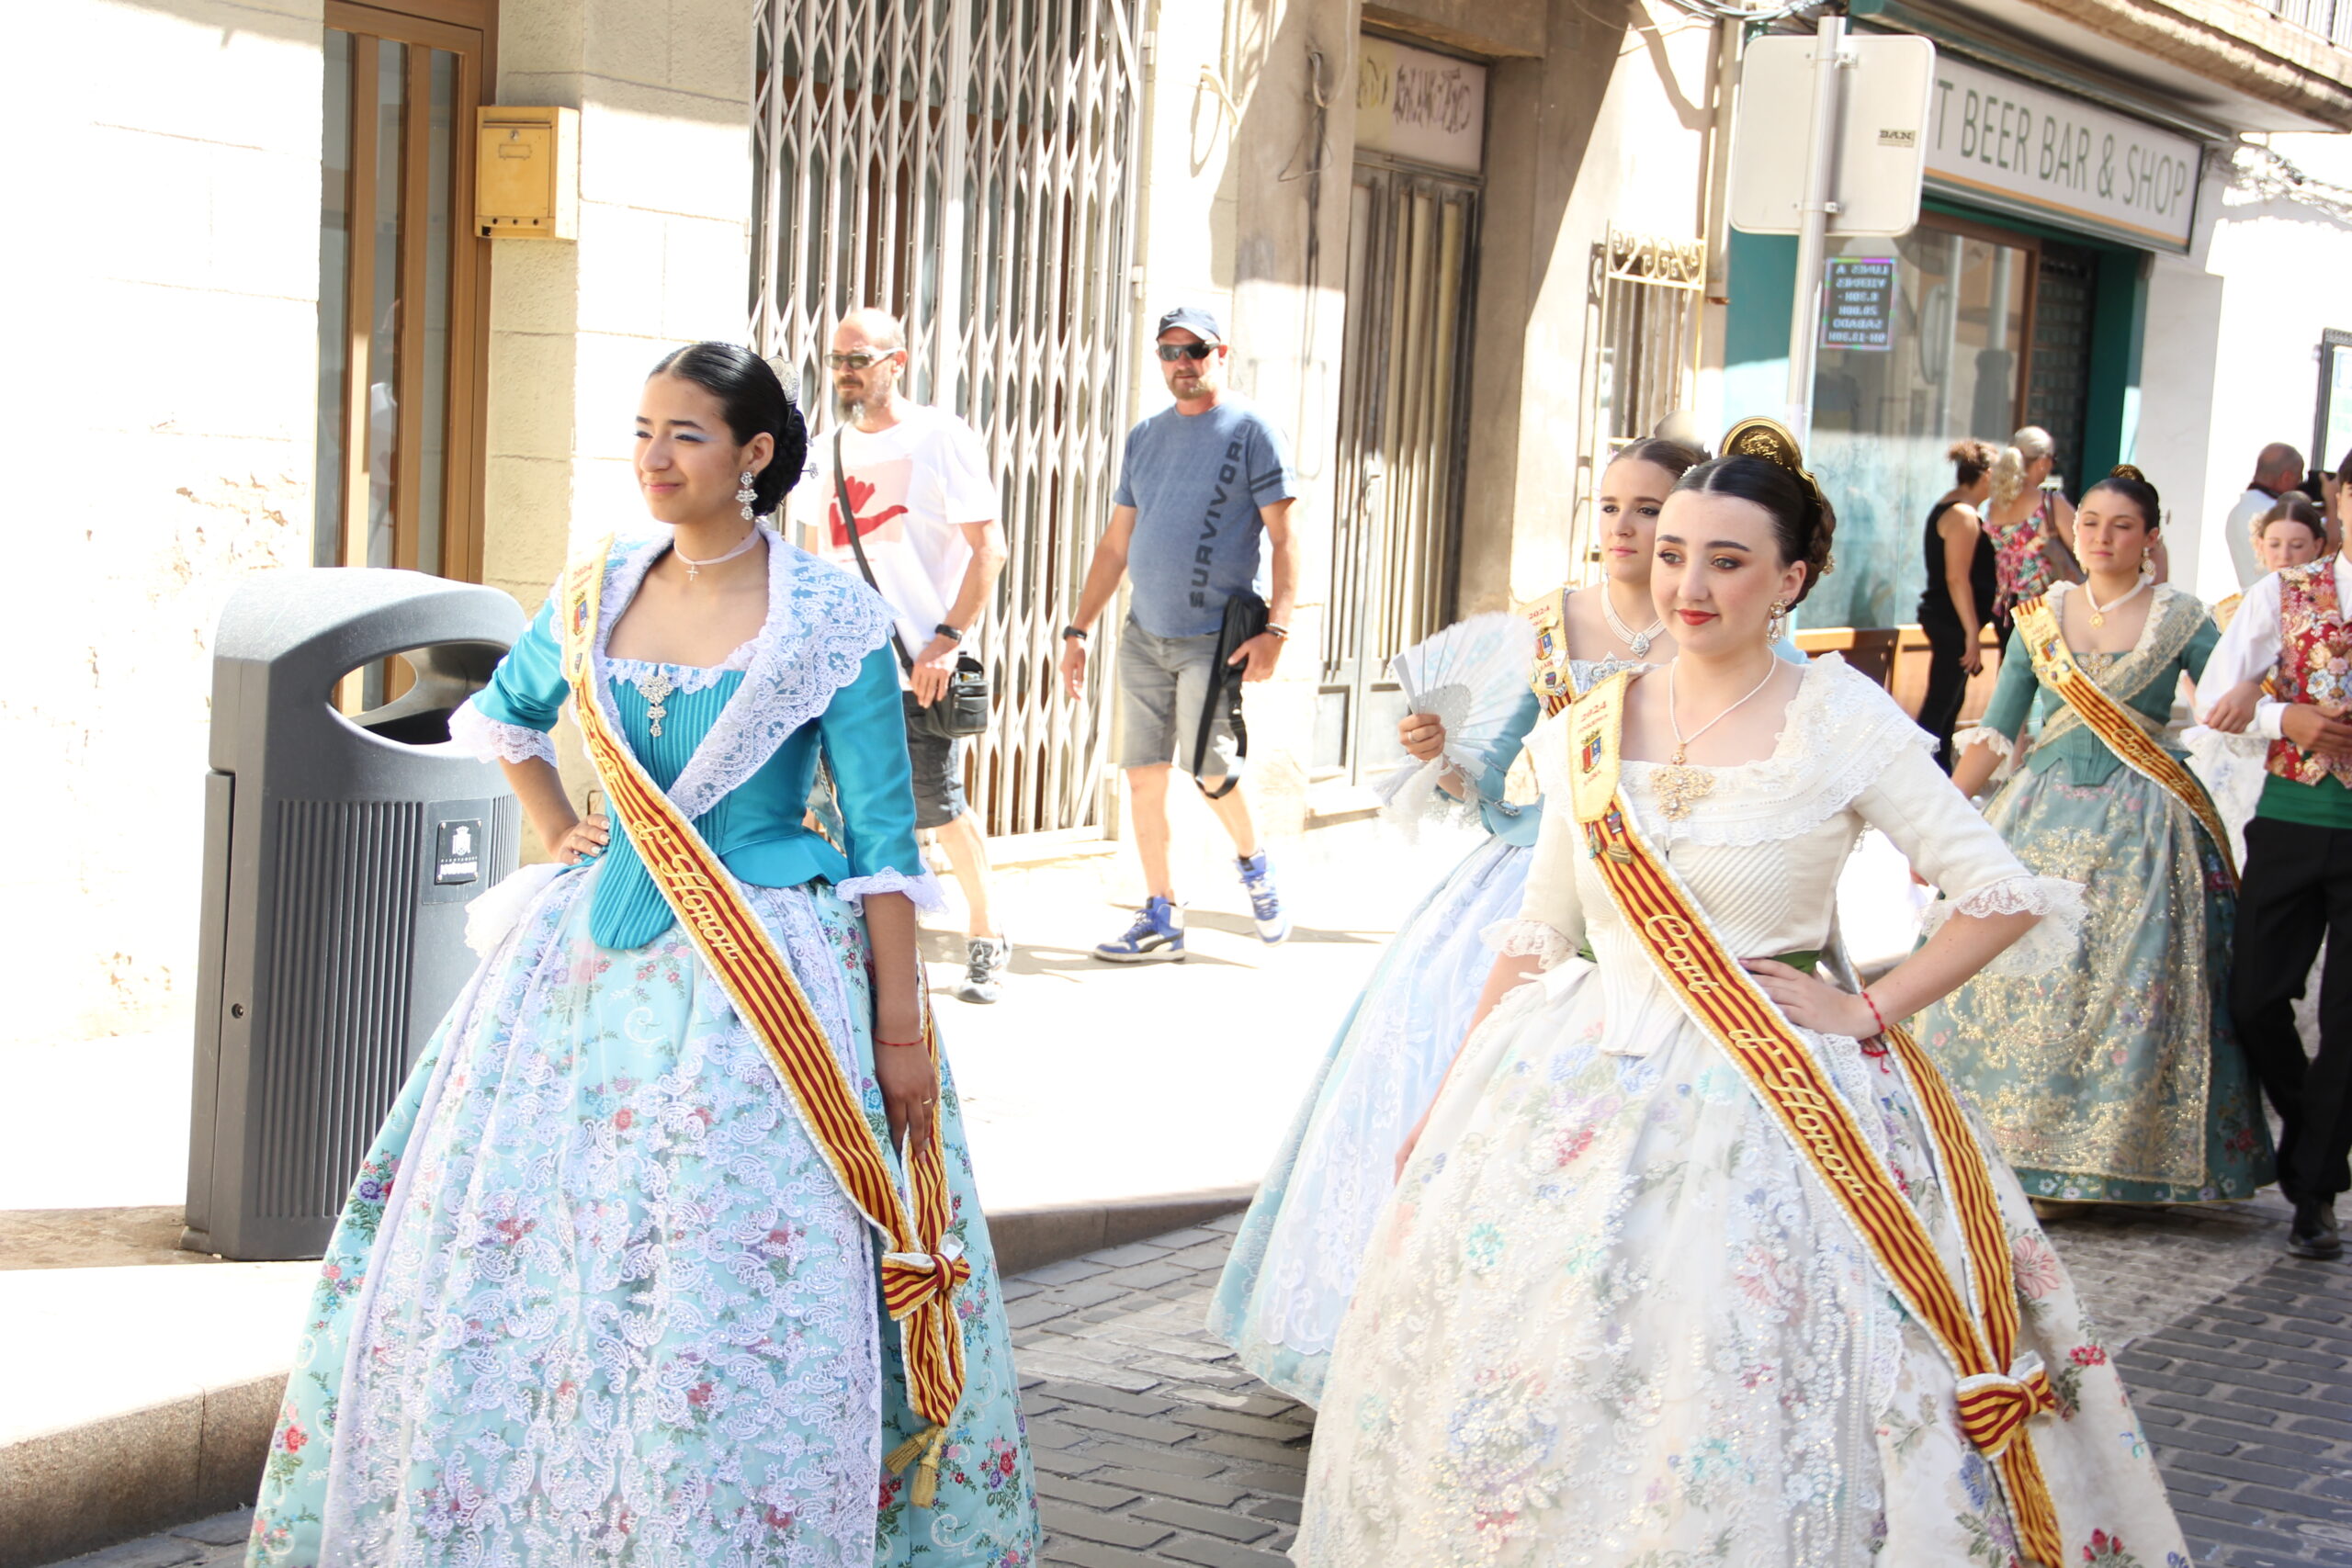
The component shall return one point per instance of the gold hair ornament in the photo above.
(1772, 441)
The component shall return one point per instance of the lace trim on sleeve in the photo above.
(489, 740)
(1976, 734)
(1414, 794)
(1547, 944)
(923, 889)
(2052, 944)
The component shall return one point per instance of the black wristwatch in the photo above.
(950, 633)
(1078, 632)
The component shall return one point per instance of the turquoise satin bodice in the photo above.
(758, 827)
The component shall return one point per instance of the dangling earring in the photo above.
(747, 495)
(1777, 625)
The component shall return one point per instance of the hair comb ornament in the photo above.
(786, 372)
(1772, 441)
(2127, 471)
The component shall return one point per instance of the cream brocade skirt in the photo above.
(1610, 1319)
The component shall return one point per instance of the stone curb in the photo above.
(81, 1488)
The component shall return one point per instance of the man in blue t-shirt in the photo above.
(1202, 516)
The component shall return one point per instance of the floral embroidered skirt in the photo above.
(597, 1299)
(2117, 1078)
(1611, 1320)
(1294, 1263)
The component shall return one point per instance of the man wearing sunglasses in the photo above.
(925, 503)
(1201, 517)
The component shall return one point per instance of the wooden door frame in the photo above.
(468, 30)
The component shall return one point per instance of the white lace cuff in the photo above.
(1547, 944)
(923, 889)
(1962, 740)
(2055, 941)
(1411, 795)
(490, 741)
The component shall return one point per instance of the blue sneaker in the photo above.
(1157, 937)
(1265, 904)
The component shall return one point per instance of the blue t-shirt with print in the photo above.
(1196, 482)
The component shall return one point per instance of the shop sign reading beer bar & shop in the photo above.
(1996, 141)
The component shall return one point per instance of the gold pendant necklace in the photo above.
(1678, 786)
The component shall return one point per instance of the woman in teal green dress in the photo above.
(598, 1295)
(2117, 1078)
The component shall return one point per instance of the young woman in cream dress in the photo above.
(1610, 1317)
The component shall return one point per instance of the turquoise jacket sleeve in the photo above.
(528, 689)
(2013, 691)
(863, 733)
(1501, 819)
(2201, 644)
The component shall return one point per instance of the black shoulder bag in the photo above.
(963, 709)
(1245, 617)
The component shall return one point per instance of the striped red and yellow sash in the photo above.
(922, 1265)
(1999, 1389)
(2037, 622)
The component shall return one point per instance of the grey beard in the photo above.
(848, 408)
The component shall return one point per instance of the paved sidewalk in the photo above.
(1154, 1450)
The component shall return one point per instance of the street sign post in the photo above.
(1829, 138)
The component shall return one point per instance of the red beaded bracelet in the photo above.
(1874, 1013)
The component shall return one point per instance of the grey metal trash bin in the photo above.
(339, 856)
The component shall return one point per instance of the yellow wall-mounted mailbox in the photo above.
(527, 180)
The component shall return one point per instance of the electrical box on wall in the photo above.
(527, 180)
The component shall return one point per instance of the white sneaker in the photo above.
(983, 965)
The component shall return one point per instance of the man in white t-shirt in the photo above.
(925, 504)
(2276, 471)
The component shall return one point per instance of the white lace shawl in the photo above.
(1837, 736)
(820, 625)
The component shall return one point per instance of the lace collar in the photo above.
(820, 625)
(1836, 736)
(2173, 618)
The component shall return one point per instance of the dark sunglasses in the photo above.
(1172, 352)
(858, 359)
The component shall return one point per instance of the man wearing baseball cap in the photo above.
(1201, 517)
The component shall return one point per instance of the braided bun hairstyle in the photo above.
(2132, 485)
(1762, 465)
(751, 400)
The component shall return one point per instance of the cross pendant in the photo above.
(1677, 787)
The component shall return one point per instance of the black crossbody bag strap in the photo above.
(849, 526)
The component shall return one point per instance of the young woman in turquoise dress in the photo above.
(1293, 1264)
(599, 1294)
(2118, 1079)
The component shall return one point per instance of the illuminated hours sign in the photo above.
(2001, 142)
(1857, 303)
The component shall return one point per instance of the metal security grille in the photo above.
(2331, 19)
(1412, 246)
(970, 167)
(2058, 379)
(1641, 358)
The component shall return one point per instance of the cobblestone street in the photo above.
(1153, 1448)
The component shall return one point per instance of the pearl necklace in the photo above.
(694, 567)
(2099, 611)
(1678, 784)
(1639, 641)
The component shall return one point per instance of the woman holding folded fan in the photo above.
(1694, 1259)
(668, 1253)
(2115, 1077)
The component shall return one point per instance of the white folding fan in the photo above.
(1470, 677)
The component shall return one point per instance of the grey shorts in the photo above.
(1162, 682)
(938, 767)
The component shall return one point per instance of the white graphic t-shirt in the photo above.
(912, 487)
